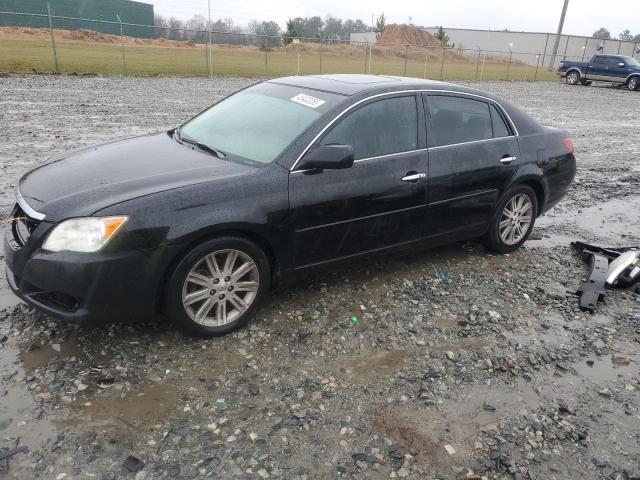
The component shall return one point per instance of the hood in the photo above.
(86, 180)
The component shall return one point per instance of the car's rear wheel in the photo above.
(633, 84)
(573, 77)
(513, 221)
(217, 287)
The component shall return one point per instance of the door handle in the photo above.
(506, 160)
(414, 177)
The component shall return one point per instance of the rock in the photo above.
(620, 359)
(262, 473)
(450, 355)
(55, 347)
(488, 407)
(133, 464)
(605, 392)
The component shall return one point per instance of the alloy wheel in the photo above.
(515, 219)
(572, 78)
(633, 84)
(220, 287)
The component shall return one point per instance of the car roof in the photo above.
(365, 85)
(353, 84)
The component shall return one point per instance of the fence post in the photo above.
(370, 56)
(298, 71)
(266, 62)
(124, 62)
(484, 60)
(535, 77)
(509, 65)
(406, 54)
(321, 48)
(584, 49)
(546, 42)
(53, 41)
(444, 49)
(477, 63)
(426, 56)
(210, 46)
(206, 51)
(366, 57)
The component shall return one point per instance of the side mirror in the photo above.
(621, 65)
(329, 157)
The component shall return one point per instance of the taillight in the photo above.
(568, 143)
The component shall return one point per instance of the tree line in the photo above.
(329, 28)
(625, 35)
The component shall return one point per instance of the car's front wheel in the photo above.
(217, 286)
(573, 78)
(633, 84)
(513, 221)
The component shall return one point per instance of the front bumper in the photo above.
(86, 287)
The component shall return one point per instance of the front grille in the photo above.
(22, 226)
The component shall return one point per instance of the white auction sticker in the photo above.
(307, 100)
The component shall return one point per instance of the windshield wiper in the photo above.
(202, 146)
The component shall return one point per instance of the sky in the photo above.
(583, 16)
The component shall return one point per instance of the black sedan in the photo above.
(200, 222)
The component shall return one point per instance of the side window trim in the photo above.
(488, 101)
(420, 132)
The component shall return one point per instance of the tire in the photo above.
(585, 83)
(573, 77)
(197, 290)
(633, 84)
(499, 242)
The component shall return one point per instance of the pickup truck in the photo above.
(618, 69)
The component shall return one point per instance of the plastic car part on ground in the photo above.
(610, 266)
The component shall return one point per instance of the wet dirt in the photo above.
(611, 223)
(443, 436)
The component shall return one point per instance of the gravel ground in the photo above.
(451, 363)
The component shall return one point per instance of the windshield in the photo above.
(632, 62)
(260, 122)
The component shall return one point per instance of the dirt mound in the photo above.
(407, 35)
(85, 35)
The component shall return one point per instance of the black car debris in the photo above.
(284, 176)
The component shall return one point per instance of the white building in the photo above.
(533, 47)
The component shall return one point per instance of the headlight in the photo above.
(88, 234)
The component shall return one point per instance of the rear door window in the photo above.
(612, 62)
(599, 61)
(379, 128)
(458, 120)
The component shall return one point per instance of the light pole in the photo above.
(556, 42)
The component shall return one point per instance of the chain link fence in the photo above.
(54, 45)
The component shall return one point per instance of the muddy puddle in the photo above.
(615, 222)
(136, 410)
(22, 420)
(41, 352)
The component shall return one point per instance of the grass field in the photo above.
(26, 53)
